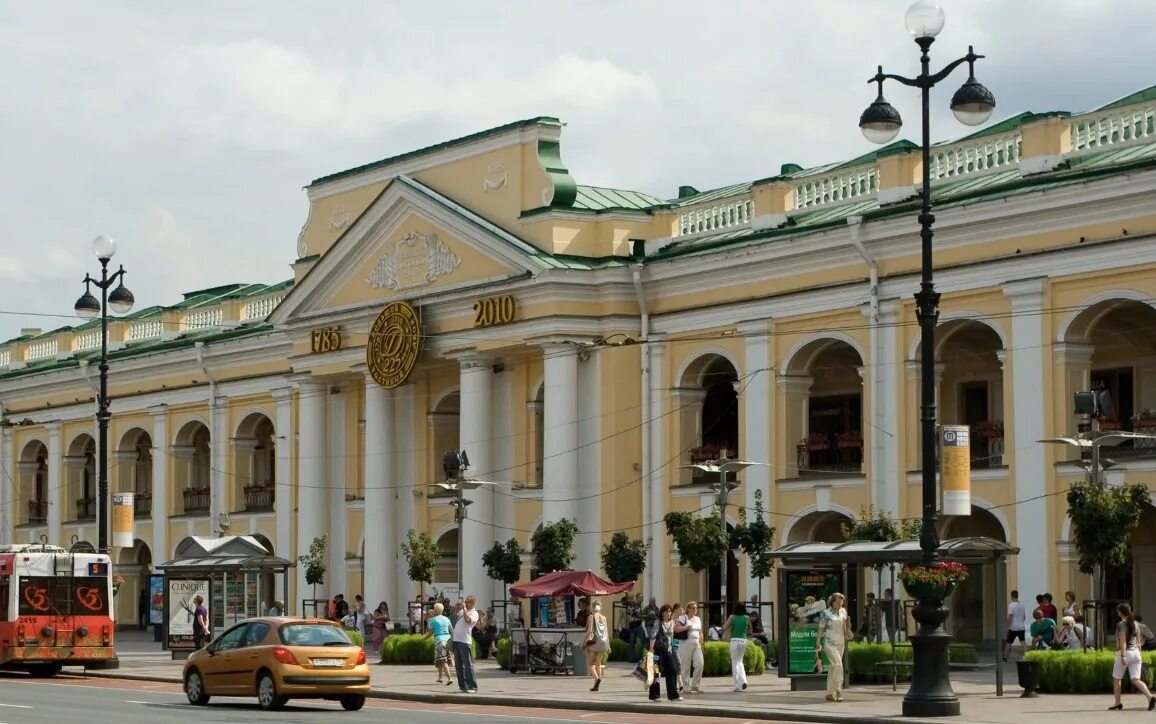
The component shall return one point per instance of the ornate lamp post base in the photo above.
(930, 693)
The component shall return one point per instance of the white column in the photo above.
(380, 562)
(283, 472)
(160, 489)
(56, 494)
(560, 436)
(9, 501)
(1030, 472)
(335, 491)
(403, 441)
(589, 423)
(503, 450)
(312, 503)
(755, 390)
(883, 431)
(653, 478)
(219, 477)
(475, 436)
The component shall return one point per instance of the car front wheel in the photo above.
(267, 695)
(195, 689)
(352, 702)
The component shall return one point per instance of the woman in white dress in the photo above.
(834, 633)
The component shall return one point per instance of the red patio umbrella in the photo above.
(568, 583)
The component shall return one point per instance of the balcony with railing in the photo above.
(259, 498)
(86, 508)
(822, 453)
(37, 512)
(142, 505)
(197, 501)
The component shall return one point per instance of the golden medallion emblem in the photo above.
(394, 344)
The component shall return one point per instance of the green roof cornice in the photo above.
(565, 188)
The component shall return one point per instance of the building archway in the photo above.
(80, 472)
(971, 613)
(819, 526)
(706, 402)
(134, 470)
(446, 572)
(444, 422)
(824, 403)
(32, 467)
(134, 565)
(192, 470)
(970, 386)
(254, 477)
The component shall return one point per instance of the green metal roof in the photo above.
(1140, 96)
(598, 198)
(714, 194)
(439, 147)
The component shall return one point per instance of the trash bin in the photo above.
(578, 659)
(1029, 677)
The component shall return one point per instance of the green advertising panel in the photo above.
(801, 651)
(806, 597)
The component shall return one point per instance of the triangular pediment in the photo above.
(410, 242)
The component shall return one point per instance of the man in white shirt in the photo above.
(1017, 623)
(465, 619)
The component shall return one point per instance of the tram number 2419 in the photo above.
(493, 311)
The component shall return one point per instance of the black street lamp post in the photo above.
(930, 693)
(88, 307)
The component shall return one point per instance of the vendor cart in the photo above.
(544, 650)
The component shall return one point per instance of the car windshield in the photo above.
(313, 634)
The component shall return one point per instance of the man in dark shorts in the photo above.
(1017, 624)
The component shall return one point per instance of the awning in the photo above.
(569, 583)
(269, 564)
(965, 550)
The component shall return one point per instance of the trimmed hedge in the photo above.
(1083, 672)
(356, 637)
(863, 659)
(411, 649)
(716, 656)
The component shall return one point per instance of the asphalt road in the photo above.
(33, 701)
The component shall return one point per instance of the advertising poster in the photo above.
(156, 599)
(806, 593)
(179, 609)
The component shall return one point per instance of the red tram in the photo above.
(55, 609)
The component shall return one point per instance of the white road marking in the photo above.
(16, 706)
(134, 701)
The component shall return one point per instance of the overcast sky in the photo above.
(186, 130)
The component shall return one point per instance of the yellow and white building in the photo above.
(581, 344)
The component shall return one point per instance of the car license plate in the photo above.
(329, 662)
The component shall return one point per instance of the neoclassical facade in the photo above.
(584, 344)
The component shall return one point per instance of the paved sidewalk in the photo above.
(767, 698)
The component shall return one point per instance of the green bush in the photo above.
(716, 658)
(412, 649)
(1082, 672)
(863, 660)
(356, 637)
(619, 649)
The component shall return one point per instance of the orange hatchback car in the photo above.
(278, 659)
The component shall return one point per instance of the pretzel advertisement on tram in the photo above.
(56, 609)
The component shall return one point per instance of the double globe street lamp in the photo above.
(120, 300)
(930, 693)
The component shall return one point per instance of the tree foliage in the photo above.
(552, 545)
(756, 539)
(701, 542)
(1103, 520)
(624, 559)
(880, 527)
(422, 555)
(504, 562)
(314, 562)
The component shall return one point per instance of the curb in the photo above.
(607, 706)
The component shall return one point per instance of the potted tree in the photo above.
(623, 558)
(552, 545)
(314, 562)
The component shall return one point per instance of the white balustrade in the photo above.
(204, 318)
(147, 329)
(261, 308)
(88, 340)
(974, 156)
(837, 187)
(1113, 127)
(41, 349)
(732, 213)
(5, 357)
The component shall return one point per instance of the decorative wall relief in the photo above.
(497, 177)
(338, 218)
(416, 260)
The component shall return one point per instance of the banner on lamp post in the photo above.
(122, 519)
(955, 469)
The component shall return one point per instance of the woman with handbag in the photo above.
(832, 637)
(661, 644)
(597, 643)
(690, 650)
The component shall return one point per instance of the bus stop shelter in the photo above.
(834, 558)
